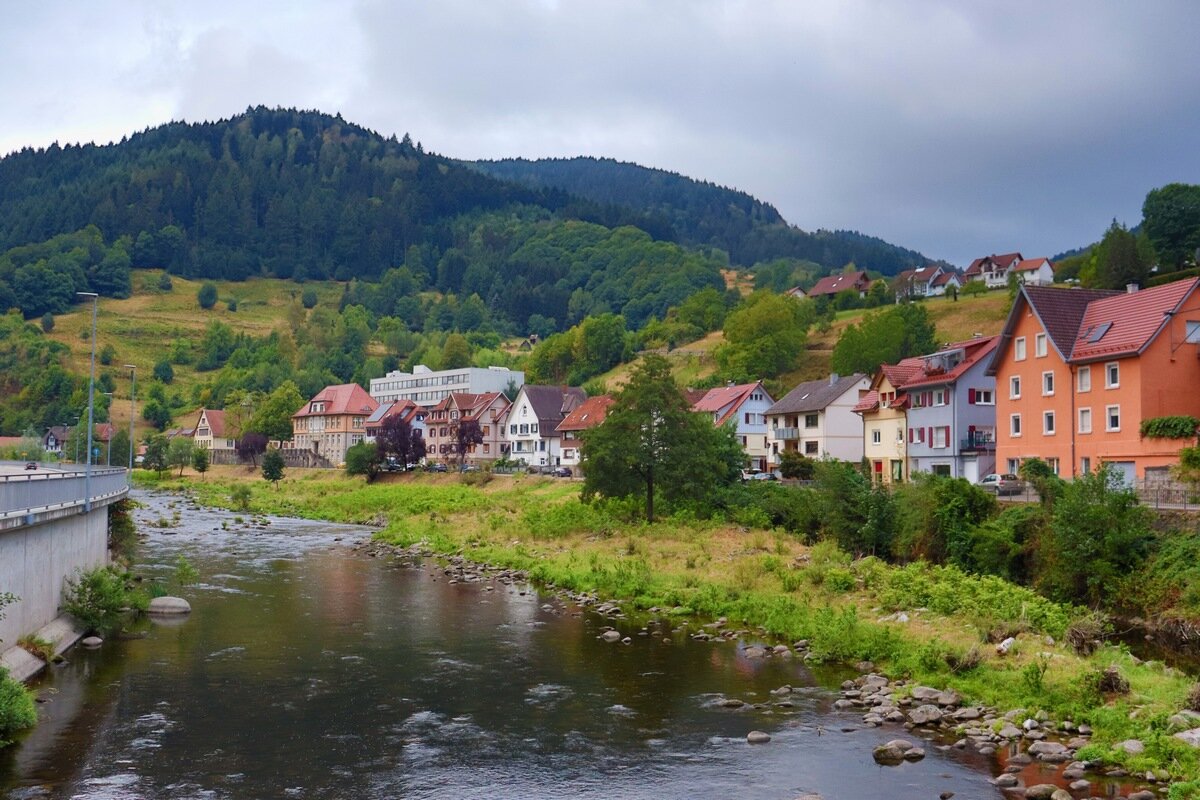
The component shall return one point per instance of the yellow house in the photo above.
(210, 431)
(884, 414)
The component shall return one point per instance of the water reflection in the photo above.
(308, 670)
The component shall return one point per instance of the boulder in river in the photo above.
(169, 605)
(92, 642)
(758, 737)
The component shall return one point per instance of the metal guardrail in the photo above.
(39, 490)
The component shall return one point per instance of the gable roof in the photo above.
(346, 398)
(976, 350)
(588, 414)
(726, 398)
(1133, 320)
(1030, 264)
(406, 410)
(995, 261)
(216, 421)
(60, 432)
(832, 284)
(946, 277)
(552, 403)
(472, 405)
(815, 395)
(1058, 310)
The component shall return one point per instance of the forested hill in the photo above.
(704, 214)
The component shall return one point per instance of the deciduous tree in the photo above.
(467, 434)
(272, 468)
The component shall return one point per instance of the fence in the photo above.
(51, 489)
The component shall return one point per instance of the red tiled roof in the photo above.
(832, 284)
(694, 396)
(1060, 312)
(903, 372)
(869, 402)
(729, 398)
(976, 351)
(1133, 319)
(216, 422)
(1030, 264)
(588, 414)
(1001, 261)
(347, 398)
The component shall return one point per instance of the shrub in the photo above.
(1193, 698)
(239, 497)
(309, 297)
(17, 711)
(47, 322)
(1086, 633)
(1107, 681)
(99, 599)
(207, 296)
(164, 282)
(839, 579)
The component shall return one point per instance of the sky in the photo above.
(955, 128)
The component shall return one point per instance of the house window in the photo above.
(1112, 418)
(1085, 465)
(1039, 345)
(533, 428)
(1014, 424)
(810, 420)
(939, 397)
(1191, 332)
(1014, 387)
(1085, 420)
(899, 434)
(1014, 464)
(512, 429)
(1048, 423)
(876, 436)
(1083, 379)
(1112, 375)
(985, 397)
(1053, 463)
(1019, 349)
(1047, 384)
(941, 436)
(942, 469)
(810, 448)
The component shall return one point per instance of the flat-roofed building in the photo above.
(427, 387)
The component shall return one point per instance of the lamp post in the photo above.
(87, 477)
(132, 402)
(111, 429)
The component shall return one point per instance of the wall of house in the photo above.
(962, 417)
(892, 446)
(754, 435)
(532, 446)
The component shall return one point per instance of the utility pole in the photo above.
(87, 475)
(132, 402)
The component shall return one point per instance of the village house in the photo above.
(533, 423)
(405, 410)
(831, 285)
(210, 432)
(1078, 371)
(951, 415)
(1035, 271)
(333, 421)
(488, 409)
(427, 387)
(931, 281)
(744, 407)
(55, 438)
(587, 415)
(817, 419)
(796, 292)
(992, 270)
(885, 429)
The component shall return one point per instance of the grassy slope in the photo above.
(765, 578)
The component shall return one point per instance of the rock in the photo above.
(1132, 746)
(1080, 785)
(1191, 736)
(1051, 752)
(888, 754)
(731, 702)
(92, 642)
(611, 636)
(757, 737)
(1005, 781)
(1041, 791)
(169, 605)
(915, 754)
(924, 715)
(950, 698)
(1030, 724)
(1144, 794)
(925, 693)
(1009, 731)
(1061, 794)
(755, 651)
(968, 713)
(864, 667)
(1005, 646)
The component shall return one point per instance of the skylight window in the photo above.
(1098, 332)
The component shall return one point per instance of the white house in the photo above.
(533, 423)
(426, 387)
(817, 419)
(1035, 271)
(993, 270)
(745, 407)
(210, 431)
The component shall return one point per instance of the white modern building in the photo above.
(426, 387)
(817, 419)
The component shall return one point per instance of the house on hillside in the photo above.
(992, 270)
(405, 410)
(745, 408)
(931, 281)
(1078, 371)
(55, 438)
(210, 432)
(533, 423)
(333, 421)
(489, 409)
(817, 419)
(1035, 271)
(885, 430)
(796, 292)
(831, 285)
(587, 415)
(951, 414)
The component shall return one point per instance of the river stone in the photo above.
(1144, 794)
(915, 754)
(755, 651)
(1041, 791)
(925, 693)
(732, 702)
(888, 754)
(1080, 785)
(92, 641)
(923, 715)
(1049, 751)
(1009, 731)
(1132, 746)
(611, 636)
(1005, 781)
(169, 605)
(1192, 737)
(758, 737)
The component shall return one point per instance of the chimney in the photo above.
(834, 378)
(1131, 288)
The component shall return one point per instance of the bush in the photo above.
(17, 711)
(47, 322)
(207, 296)
(239, 497)
(309, 297)
(164, 282)
(100, 598)
(795, 465)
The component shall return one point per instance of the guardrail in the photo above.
(42, 490)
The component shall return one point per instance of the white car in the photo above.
(1002, 484)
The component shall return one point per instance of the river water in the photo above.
(309, 670)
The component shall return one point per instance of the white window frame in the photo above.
(1108, 415)
(1049, 426)
(1085, 419)
(1014, 387)
(980, 395)
(1014, 425)
(1048, 380)
(1109, 368)
(1039, 345)
(876, 436)
(1019, 349)
(1083, 380)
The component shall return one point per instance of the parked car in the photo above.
(438, 467)
(540, 469)
(757, 475)
(562, 472)
(470, 468)
(1006, 483)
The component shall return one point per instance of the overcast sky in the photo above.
(955, 128)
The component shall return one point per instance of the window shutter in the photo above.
(910, 435)
(930, 434)
(971, 396)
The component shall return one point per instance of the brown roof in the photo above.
(1030, 264)
(694, 396)
(727, 398)
(1001, 261)
(832, 284)
(216, 422)
(976, 350)
(346, 398)
(552, 403)
(815, 395)
(588, 414)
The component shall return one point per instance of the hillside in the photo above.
(704, 214)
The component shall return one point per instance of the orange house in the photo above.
(1077, 371)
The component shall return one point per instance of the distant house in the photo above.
(796, 292)
(55, 438)
(489, 409)
(210, 432)
(1078, 371)
(993, 270)
(406, 410)
(533, 422)
(743, 406)
(587, 415)
(883, 412)
(817, 419)
(831, 285)
(931, 281)
(333, 421)
(1035, 271)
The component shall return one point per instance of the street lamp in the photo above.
(132, 401)
(108, 458)
(87, 478)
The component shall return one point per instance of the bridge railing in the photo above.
(48, 489)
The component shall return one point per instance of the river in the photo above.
(310, 670)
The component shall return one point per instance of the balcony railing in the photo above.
(785, 433)
(978, 442)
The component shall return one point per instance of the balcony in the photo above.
(785, 433)
(978, 441)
